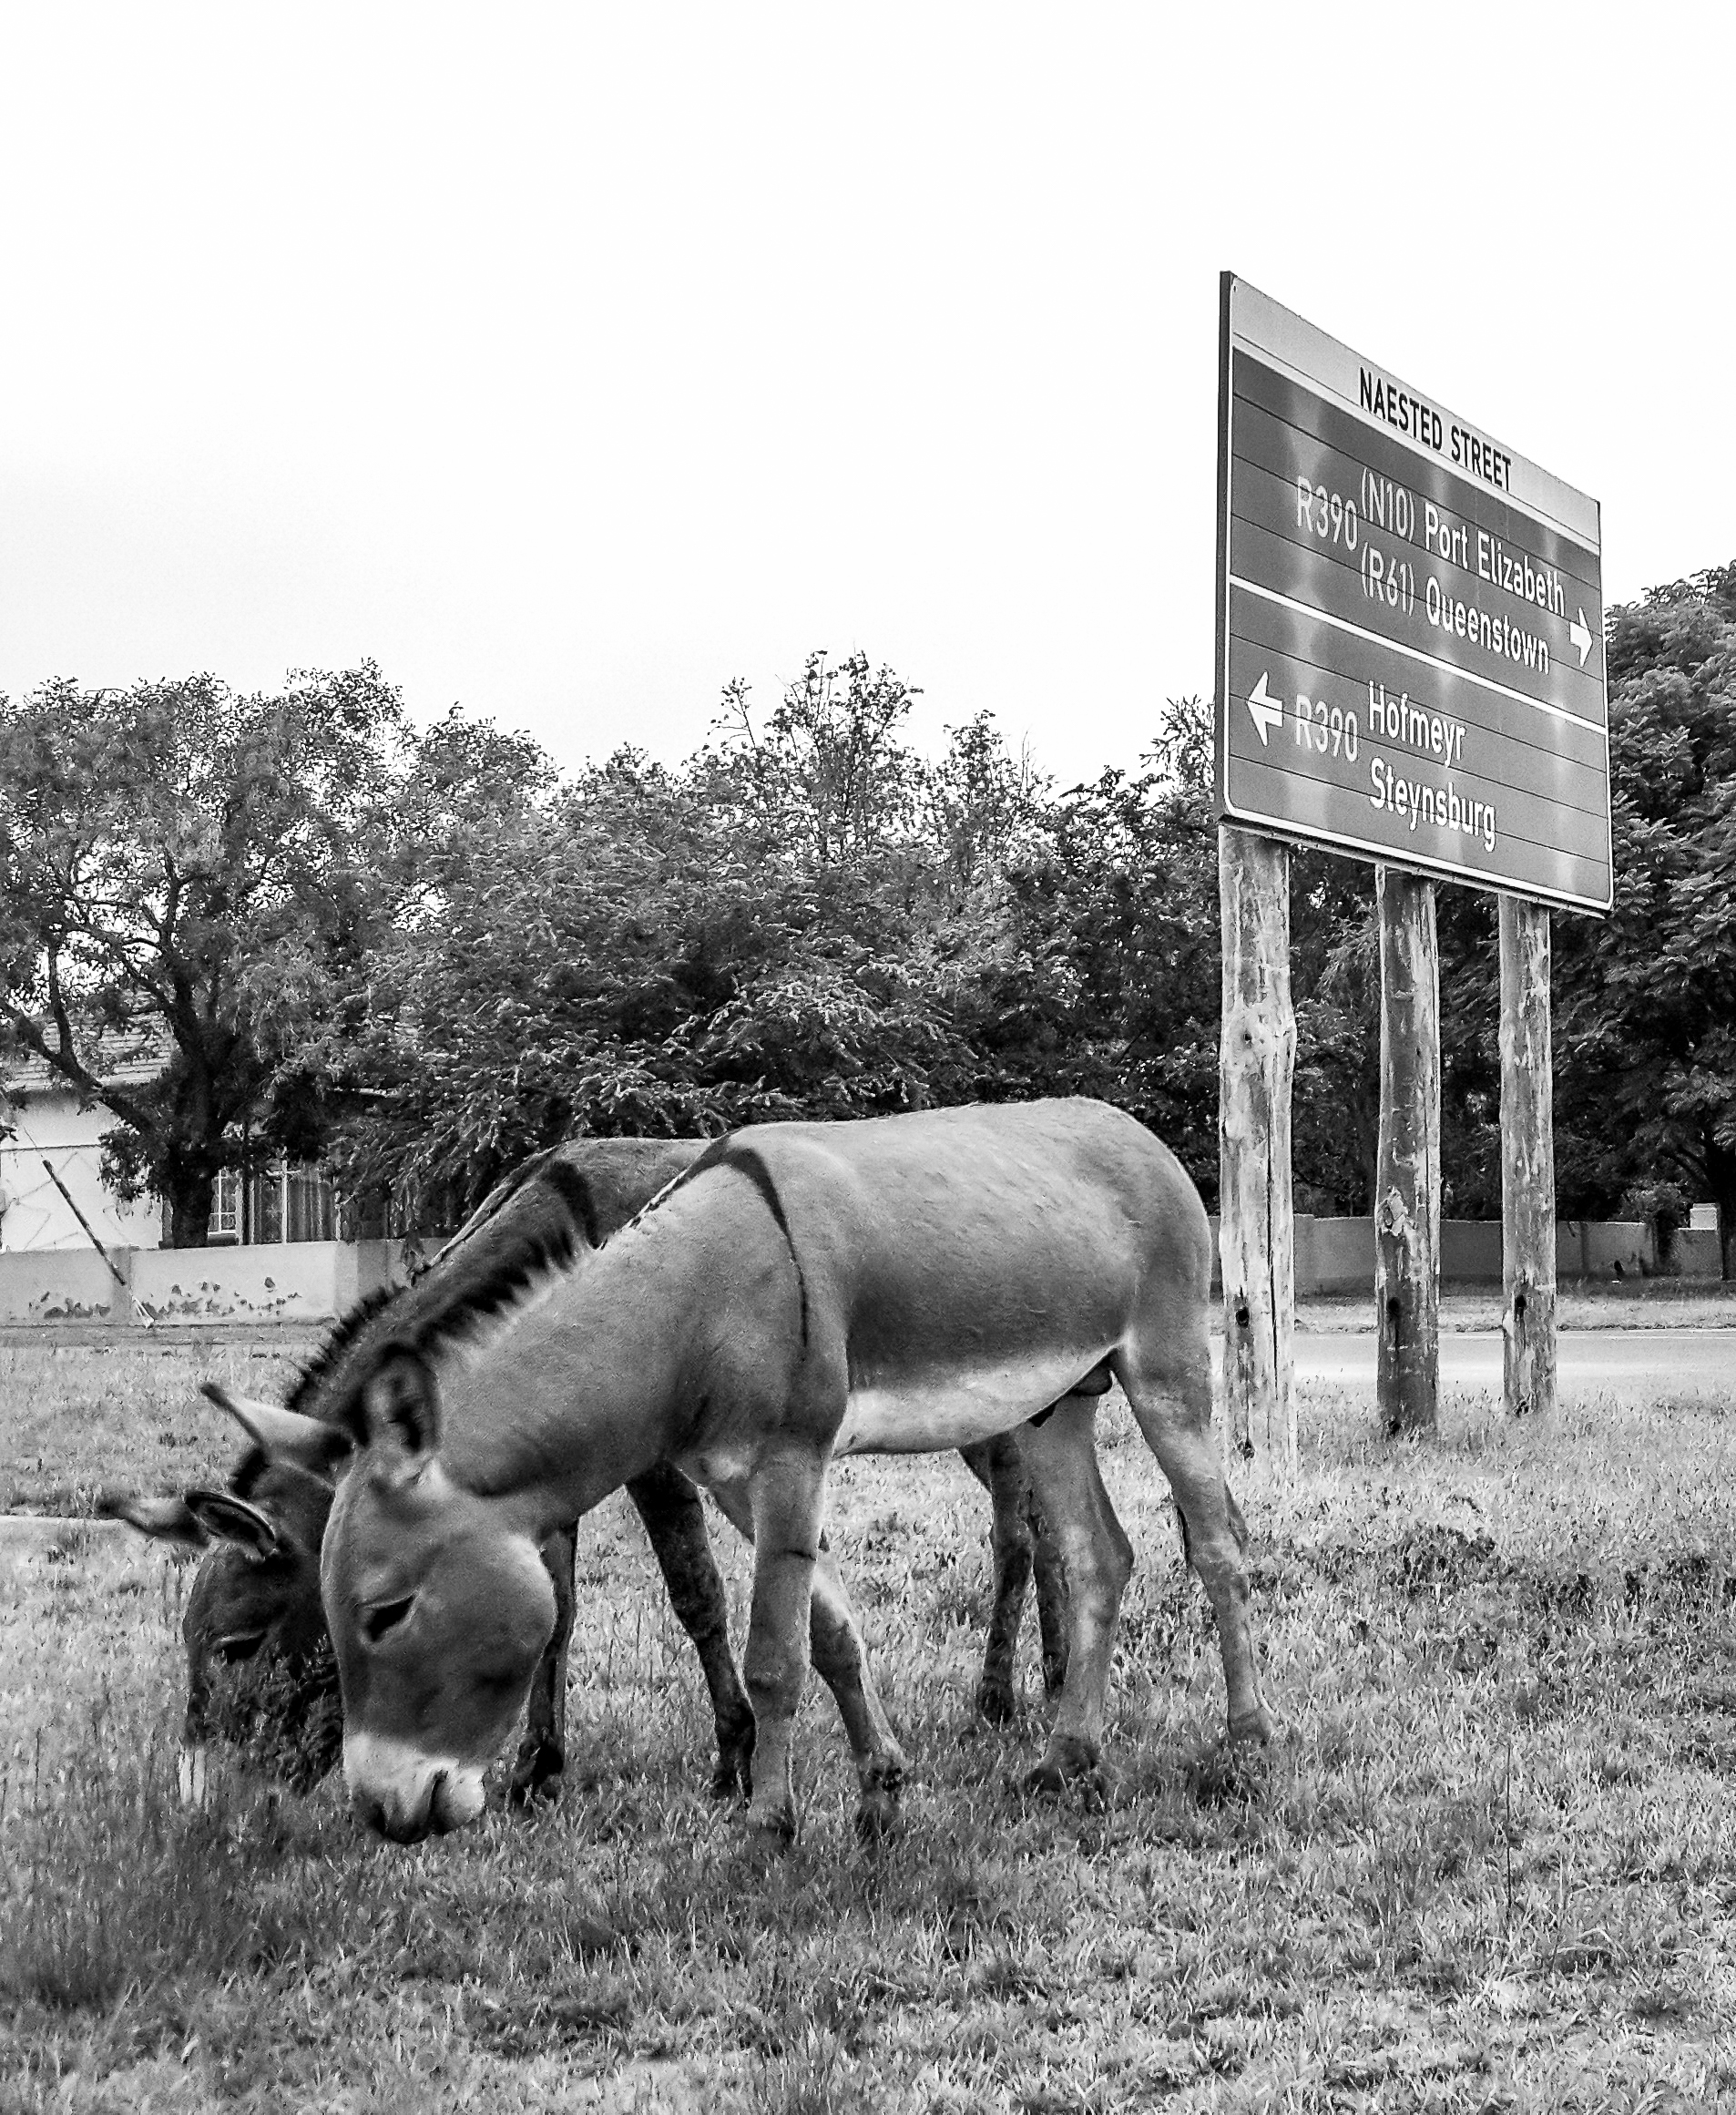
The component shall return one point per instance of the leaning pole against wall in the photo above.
(1410, 670)
(1257, 1058)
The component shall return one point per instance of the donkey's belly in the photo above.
(927, 1413)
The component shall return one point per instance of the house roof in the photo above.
(119, 1058)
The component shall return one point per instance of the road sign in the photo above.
(1410, 625)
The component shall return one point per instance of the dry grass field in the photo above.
(1492, 1864)
(75, 1418)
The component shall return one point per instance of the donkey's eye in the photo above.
(239, 1645)
(384, 1616)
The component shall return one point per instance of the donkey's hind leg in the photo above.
(1050, 1574)
(1167, 1374)
(1061, 1455)
(675, 1522)
(996, 1465)
(542, 1754)
(842, 1661)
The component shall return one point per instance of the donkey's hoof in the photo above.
(1069, 1761)
(1230, 1773)
(996, 1702)
(733, 1775)
(877, 1815)
(1088, 1788)
(734, 1771)
(732, 1778)
(536, 1775)
(772, 1828)
(1255, 1728)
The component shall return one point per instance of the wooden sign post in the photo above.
(1257, 1060)
(1528, 1162)
(1407, 1188)
(1411, 670)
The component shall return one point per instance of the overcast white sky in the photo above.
(569, 362)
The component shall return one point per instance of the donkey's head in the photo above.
(440, 1608)
(260, 1671)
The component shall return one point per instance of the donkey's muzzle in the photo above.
(395, 1821)
(404, 1796)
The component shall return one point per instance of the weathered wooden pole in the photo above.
(1528, 1162)
(1256, 1064)
(1407, 1203)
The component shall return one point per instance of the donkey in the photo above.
(255, 1607)
(898, 1284)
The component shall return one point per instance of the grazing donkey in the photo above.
(901, 1284)
(255, 1607)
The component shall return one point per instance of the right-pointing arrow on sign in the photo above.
(1265, 707)
(1580, 635)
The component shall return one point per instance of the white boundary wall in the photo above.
(1337, 1256)
(316, 1282)
(293, 1282)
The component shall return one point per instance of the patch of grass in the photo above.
(1492, 1863)
(813, 2077)
(76, 1418)
(112, 1887)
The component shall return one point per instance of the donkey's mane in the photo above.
(311, 1381)
(534, 1224)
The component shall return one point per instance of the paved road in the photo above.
(1699, 1362)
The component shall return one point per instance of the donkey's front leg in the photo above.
(835, 1642)
(542, 1754)
(787, 1497)
(669, 1507)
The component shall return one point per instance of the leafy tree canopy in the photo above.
(1646, 1001)
(673, 952)
(428, 955)
(187, 869)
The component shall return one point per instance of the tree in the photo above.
(1100, 976)
(1646, 1001)
(665, 952)
(186, 865)
(828, 776)
(981, 809)
(1335, 987)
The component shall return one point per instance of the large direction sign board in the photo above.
(1410, 646)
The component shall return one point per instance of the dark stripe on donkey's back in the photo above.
(745, 1160)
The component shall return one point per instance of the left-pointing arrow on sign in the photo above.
(1266, 708)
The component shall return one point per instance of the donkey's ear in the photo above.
(285, 1436)
(163, 1519)
(228, 1518)
(401, 1408)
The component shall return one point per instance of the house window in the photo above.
(226, 1207)
(292, 1204)
(283, 1204)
